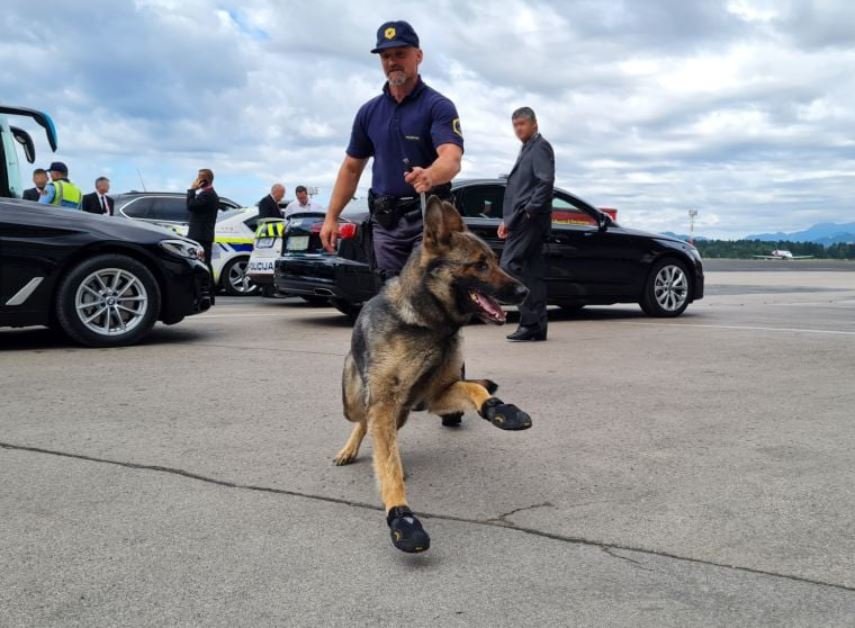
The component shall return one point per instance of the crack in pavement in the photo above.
(613, 553)
(501, 522)
(502, 519)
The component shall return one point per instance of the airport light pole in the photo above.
(692, 214)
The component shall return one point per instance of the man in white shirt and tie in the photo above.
(98, 202)
(303, 203)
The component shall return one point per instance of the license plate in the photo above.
(297, 243)
(264, 243)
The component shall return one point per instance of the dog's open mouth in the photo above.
(488, 309)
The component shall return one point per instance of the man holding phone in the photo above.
(203, 205)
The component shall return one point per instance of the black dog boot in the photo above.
(408, 535)
(505, 416)
(452, 420)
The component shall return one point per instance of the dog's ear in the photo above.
(441, 220)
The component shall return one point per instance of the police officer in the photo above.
(61, 192)
(413, 133)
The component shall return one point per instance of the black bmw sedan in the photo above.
(102, 280)
(591, 259)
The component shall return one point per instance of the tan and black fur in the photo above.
(406, 347)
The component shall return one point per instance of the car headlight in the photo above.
(184, 248)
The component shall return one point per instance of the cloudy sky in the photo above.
(741, 109)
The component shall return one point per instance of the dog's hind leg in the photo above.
(350, 450)
(353, 398)
(477, 395)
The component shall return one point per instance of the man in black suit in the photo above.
(203, 205)
(527, 219)
(268, 207)
(98, 202)
(40, 179)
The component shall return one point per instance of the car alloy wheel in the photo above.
(236, 279)
(111, 302)
(671, 288)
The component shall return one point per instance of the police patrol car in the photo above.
(233, 236)
(267, 247)
(269, 236)
(233, 240)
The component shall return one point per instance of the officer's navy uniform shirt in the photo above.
(389, 132)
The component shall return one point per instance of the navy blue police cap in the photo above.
(395, 35)
(57, 166)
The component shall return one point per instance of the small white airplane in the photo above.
(782, 254)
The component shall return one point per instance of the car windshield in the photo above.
(231, 213)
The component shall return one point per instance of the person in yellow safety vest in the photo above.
(61, 192)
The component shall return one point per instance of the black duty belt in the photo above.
(388, 211)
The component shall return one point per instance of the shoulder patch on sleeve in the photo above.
(455, 126)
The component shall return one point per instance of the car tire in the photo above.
(233, 279)
(102, 295)
(315, 301)
(666, 293)
(351, 310)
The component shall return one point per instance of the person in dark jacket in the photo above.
(203, 205)
(40, 179)
(98, 202)
(527, 218)
(268, 207)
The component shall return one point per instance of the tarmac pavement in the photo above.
(695, 471)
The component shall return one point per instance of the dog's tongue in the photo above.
(490, 307)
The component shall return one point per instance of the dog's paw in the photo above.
(505, 416)
(345, 456)
(406, 530)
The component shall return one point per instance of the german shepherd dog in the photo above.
(405, 354)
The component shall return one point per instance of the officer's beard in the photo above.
(397, 78)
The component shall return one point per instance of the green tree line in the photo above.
(745, 249)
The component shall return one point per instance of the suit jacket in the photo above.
(268, 208)
(31, 195)
(528, 194)
(92, 204)
(203, 208)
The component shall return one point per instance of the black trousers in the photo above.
(208, 247)
(523, 258)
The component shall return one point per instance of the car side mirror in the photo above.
(23, 138)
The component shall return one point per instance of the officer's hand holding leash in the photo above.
(420, 178)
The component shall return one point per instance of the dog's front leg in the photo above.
(465, 395)
(407, 532)
(383, 424)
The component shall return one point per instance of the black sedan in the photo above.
(591, 259)
(102, 280)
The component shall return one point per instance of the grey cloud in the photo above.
(267, 90)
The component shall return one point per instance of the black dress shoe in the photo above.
(528, 334)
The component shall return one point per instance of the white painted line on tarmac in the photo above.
(845, 304)
(203, 317)
(789, 330)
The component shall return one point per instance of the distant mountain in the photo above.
(825, 233)
(683, 236)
